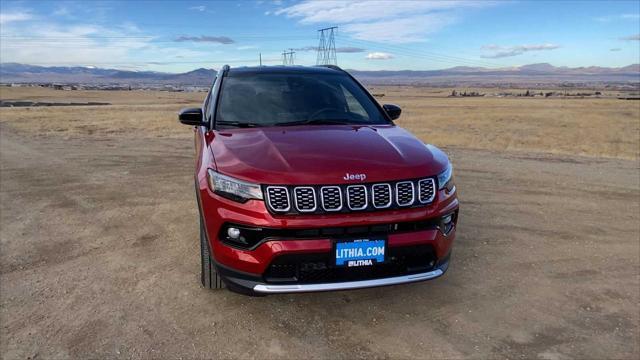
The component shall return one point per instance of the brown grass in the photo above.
(591, 127)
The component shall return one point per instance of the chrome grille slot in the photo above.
(278, 198)
(305, 198)
(357, 197)
(426, 190)
(404, 193)
(331, 198)
(381, 196)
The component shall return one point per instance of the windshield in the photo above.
(280, 99)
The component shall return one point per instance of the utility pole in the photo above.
(260, 54)
(327, 47)
(287, 57)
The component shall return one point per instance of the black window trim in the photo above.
(223, 72)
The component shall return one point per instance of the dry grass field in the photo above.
(591, 127)
(99, 245)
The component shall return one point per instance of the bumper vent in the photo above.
(315, 199)
(316, 268)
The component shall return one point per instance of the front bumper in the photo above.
(255, 283)
(249, 268)
(275, 289)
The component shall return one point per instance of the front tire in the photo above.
(208, 276)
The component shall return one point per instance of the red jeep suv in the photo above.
(305, 184)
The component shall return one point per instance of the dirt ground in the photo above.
(99, 258)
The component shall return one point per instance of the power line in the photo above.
(327, 47)
(287, 57)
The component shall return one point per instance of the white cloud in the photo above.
(200, 8)
(379, 56)
(630, 16)
(610, 18)
(6, 18)
(403, 30)
(61, 11)
(631, 38)
(384, 20)
(336, 11)
(60, 44)
(497, 51)
(113, 46)
(205, 39)
(247, 47)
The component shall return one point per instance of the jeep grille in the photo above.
(318, 199)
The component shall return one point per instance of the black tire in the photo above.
(208, 276)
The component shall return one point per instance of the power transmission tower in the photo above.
(287, 57)
(327, 47)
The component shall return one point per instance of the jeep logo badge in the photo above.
(360, 177)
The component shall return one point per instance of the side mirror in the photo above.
(392, 110)
(191, 116)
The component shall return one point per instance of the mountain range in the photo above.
(533, 73)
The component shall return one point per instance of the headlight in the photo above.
(233, 189)
(445, 178)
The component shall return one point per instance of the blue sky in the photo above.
(179, 36)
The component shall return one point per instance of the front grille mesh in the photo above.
(331, 198)
(427, 190)
(278, 197)
(344, 198)
(305, 199)
(404, 193)
(381, 195)
(357, 197)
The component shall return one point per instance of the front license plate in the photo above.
(360, 252)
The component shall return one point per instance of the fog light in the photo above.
(241, 235)
(446, 223)
(233, 233)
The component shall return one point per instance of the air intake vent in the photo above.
(278, 198)
(427, 190)
(357, 197)
(381, 195)
(331, 197)
(305, 197)
(404, 193)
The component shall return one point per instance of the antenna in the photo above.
(287, 57)
(327, 47)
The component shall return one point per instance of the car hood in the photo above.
(324, 154)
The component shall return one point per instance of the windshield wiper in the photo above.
(318, 122)
(238, 124)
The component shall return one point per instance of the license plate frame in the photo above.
(359, 243)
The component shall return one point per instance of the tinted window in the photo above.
(288, 99)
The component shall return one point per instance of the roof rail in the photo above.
(334, 67)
